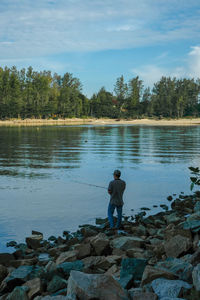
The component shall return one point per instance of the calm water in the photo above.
(44, 172)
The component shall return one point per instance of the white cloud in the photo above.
(43, 27)
(194, 62)
(152, 73)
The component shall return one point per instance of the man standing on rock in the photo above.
(116, 189)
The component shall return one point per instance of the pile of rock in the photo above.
(155, 257)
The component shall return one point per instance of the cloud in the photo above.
(44, 27)
(194, 62)
(151, 73)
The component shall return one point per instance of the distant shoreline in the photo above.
(102, 121)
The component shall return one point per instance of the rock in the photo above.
(67, 267)
(169, 288)
(172, 218)
(34, 286)
(11, 244)
(178, 267)
(114, 271)
(84, 250)
(143, 295)
(169, 198)
(34, 232)
(197, 206)
(193, 225)
(68, 256)
(127, 242)
(131, 269)
(195, 258)
(59, 297)
(100, 221)
(150, 273)
(88, 231)
(21, 275)
(5, 259)
(57, 283)
(56, 251)
(196, 277)
(3, 272)
(139, 230)
(94, 286)
(23, 262)
(100, 262)
(100, 243)
(177, 245)
(34, 241)
(19, 292)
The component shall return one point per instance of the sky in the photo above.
(100, 40)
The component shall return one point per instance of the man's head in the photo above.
(117, 174)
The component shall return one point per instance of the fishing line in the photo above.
(89, 184)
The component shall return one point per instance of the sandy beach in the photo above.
(102, 121)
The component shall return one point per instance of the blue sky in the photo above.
(99, 41)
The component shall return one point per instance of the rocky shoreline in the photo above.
(153, 257)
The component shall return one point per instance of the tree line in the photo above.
(30, 94)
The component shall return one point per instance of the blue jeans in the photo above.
(111, 209)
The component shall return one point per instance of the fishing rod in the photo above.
(90, 184)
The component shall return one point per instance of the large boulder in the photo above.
(196, 277)
(19, 293)
(94, 286)
(100, 262)
(150, 273)
(57, 283)
(34, 241)
(127, 242)
(65, 268)
(131, 269)
(68, 256)
(178, 267)
(3, 272)
(20, 276)
(169, 288)
(6, 258)
(84, 250)
(34, 287)
(100, 243)
(177, 245)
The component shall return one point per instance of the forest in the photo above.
(31, 94)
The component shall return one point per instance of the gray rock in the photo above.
(100, 243)
(3, 272)
(126, 242)
(193, 225)
(59, 297)
(34, 286)
(5, 259)
(169, 288)
(131, 269)
(196, 277)
(67, 267)
(94, 286)
(57, 283)
(144, 295)
(197, 206)
(34, 241)
(68, 256)
(21, 275)
(150, 273)
(19, 292)
(178, 267)
(177, 245)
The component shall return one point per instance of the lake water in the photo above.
(47, 173)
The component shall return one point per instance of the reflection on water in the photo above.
(41, 170)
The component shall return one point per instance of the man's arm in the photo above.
(110, 188)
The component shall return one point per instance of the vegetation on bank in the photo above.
(30, 94)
